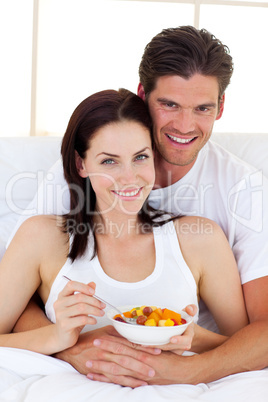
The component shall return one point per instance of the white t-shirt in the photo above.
(171, 284)
(219, 186)
(227, 190)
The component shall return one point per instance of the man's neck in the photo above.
(167, 174)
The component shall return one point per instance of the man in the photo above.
(184, 73)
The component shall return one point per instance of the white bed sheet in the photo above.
(29, 377)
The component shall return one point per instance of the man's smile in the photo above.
(180, 140)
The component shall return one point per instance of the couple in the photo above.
(184, 96)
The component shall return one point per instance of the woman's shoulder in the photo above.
(198, 230)
(200, 240)
(41, 229)
(41, 221)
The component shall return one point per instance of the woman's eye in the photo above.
(142, 157)
(108, 162)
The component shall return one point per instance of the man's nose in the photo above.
(184, 121)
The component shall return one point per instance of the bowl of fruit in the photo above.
(152, 325)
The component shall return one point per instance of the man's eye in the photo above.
(170, 104)
(202, 109)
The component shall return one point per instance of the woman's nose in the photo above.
(128, 174)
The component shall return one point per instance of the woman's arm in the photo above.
(36, 245)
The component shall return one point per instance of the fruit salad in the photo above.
(153, 316)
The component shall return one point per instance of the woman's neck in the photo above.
(116, 225)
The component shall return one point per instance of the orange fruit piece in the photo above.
(171, 314)
(128, 314)
(159, 311)
(154, 316)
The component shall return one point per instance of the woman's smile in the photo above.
(129, 194)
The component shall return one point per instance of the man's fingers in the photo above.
(124, 368)
(113, 333)
(120, 380)
(124, 357)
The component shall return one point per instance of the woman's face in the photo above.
(120, 166)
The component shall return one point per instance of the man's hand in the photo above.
(117, 361)
(169, 368)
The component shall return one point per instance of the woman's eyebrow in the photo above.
(108, 154)
(117, 156)
(142, 150)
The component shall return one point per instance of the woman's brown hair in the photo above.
(95, 112)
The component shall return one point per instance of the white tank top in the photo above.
(171, 284)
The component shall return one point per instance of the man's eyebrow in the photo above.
(206, 105)
(166, 100)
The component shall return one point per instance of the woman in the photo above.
(112, 241)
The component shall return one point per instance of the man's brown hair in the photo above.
(185, 51)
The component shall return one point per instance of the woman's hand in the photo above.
(180, 343)
(75, 308)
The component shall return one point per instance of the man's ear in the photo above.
(221, 107)
(80, 166)
(141, 92)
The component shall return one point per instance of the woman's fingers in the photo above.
(73, 286)
(81, 301)
(79, 296)
(75, 308)
(180, 343)
(191, 309)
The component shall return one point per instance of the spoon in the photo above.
(127, 320)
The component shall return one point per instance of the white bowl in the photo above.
(147, 335)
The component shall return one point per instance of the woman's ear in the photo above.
(80, 165)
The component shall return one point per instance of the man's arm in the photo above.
(33, 317)
(246, 350)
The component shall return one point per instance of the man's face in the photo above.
(183, 113)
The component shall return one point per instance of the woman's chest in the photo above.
(132, 261)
